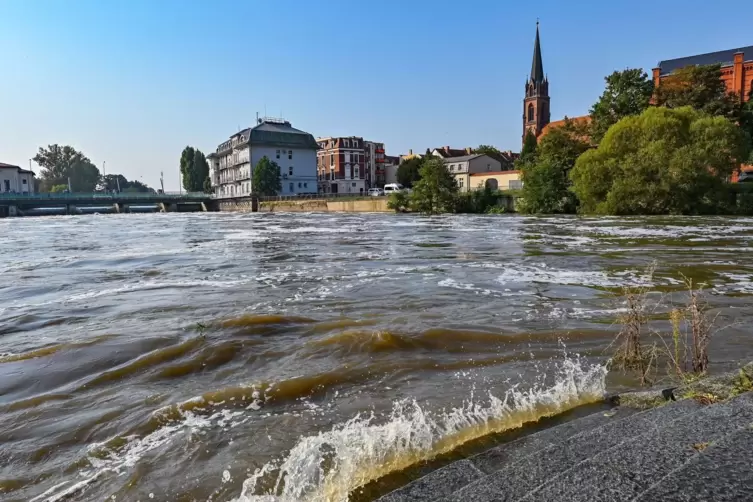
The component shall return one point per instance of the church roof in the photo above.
(723, 58)
(537, 66)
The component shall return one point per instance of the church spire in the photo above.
(537, 67)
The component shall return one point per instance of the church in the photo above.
(736, 73)
(536, 109)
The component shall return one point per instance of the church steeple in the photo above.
(537, 67)
(536, 101)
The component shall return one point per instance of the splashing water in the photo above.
(329, 466)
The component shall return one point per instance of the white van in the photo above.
(393, 187)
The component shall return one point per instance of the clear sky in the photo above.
(132, 82)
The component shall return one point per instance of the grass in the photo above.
(685, 350)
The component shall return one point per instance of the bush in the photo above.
(399, 201)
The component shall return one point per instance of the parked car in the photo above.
(376, 192)
(393, 187)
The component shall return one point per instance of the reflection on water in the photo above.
(300, 357)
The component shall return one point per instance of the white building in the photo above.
(462, 167)
(231, 166)
(16, 180)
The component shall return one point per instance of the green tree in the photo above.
(529, 146)
(664, 161)
(435, 192)
(627, 93)
(208, 185)
(266, 177)
(61, 163)
(746, 124)
(194, 169)
(399, 201)
(408, 172)
(58, 188)
(700, 87)
(546, 186)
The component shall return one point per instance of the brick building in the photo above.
(349, 165)
(536, 110)
(737, 68)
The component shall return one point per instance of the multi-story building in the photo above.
(16, 180)
(231, 165)
(342, 165)
(375, 164)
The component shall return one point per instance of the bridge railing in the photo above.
(103, 196)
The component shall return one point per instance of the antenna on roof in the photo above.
(257, 117)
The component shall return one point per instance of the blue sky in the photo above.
(131, 82)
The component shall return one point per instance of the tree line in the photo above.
(665, 150)
(64, 166)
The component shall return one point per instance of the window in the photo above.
(290, 154)
(305, 185)
(292, 187)
(299, 184)
(290, 171)
(460, 183)
(278, 154)
(23, 181)
(530, 112)
(488, 167)
(354, 184)
(347, 143)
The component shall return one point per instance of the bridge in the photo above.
(24, 204)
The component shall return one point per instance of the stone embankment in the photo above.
(365, 205)
(691, 443)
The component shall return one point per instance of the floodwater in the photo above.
(285, 357)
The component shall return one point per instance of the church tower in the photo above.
(536, 102)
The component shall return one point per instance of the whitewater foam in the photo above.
(329, 466)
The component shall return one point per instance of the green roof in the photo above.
(281, 134)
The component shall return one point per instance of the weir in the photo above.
(13, 204)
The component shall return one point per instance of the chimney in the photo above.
(410, 151)
(468, 150)
(447, 149)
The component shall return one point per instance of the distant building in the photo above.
(391, 163)
(500, 180)
(231, 166)
(446, 152)
(16, 180)
(463, 167)
(737, 69)
(349, 165)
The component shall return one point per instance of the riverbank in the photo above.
(323, 205)
(694, 442)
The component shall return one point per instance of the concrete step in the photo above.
(629, 468)
(519, 478)
(458, 474)
(722, 472)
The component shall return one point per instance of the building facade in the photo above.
(501, 180)
(350, 165)
(737, 69)
(462, 168)
(294, 151)
(536, 109)
(13, 179)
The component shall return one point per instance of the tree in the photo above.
(546, 186)
(61, 163)
(746, 124)
(493, 153)
(408, 172)
(266, 177)
(194, 169)
(58, 188)
(118, 182)
(627, 93)
(662, 161)
(435, 192)
(700, 87)
(529, 146)
(208, 185)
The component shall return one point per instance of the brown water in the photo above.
(300, 357)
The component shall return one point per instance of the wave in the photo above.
(329, 466)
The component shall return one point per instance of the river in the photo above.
(274, 357)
